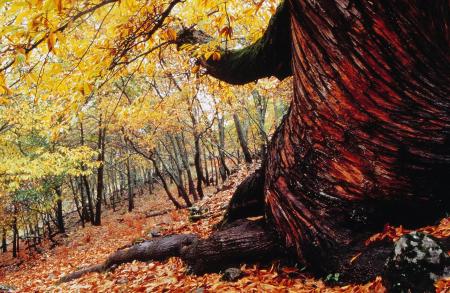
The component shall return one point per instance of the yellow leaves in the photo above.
(4, 90)
(2, 80)
(215, 55)
(35, 22)
(59, 5)
(51, 40)
(195, 68)
(169, 34)
(227, 32)
(55, 68)
(85, 88)
(20, 58)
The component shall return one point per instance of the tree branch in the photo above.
(268, 56)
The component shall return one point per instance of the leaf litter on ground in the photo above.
(92, 245)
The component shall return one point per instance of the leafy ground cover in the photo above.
(91, 245)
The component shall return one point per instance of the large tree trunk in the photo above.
(365, 142)
(366, 139)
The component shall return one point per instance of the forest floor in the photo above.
(91, 245)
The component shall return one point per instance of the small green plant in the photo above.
(332, 278)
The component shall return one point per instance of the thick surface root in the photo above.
(243, 241)
(158, 249)
(239, 242)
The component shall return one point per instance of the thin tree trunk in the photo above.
(223, 168)
(59, 211)
(15, 243)
(4, 243)
(176, 180)
(198, 166)
(242, 139)
(86, 183)
(185, 159)
(129, 185)
(79, 208)
(100, 171)
(166, 187)
(261, 109)
(205, 161)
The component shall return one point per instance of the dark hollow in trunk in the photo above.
(247, 200)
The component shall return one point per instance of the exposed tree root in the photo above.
(243, 241)
(158, 249)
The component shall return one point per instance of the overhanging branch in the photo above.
(268, 56)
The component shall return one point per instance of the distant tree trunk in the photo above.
(100, 171)
(185, 159)
(166, 187)
(150, 180)
(59, 211)
(212, 164)
(174, 155)
(223, 168)
(4, 244)
(15, 242)
(261, 109)
(205, 163)
(176, 180)
(242, 139)
(77, 201)
(129, 187)
(85, 182)
(198, 166)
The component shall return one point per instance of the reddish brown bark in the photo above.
(366, 140)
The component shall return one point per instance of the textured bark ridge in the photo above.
(366, 140)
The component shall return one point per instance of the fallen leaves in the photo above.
(92, 245)
(394, 233)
